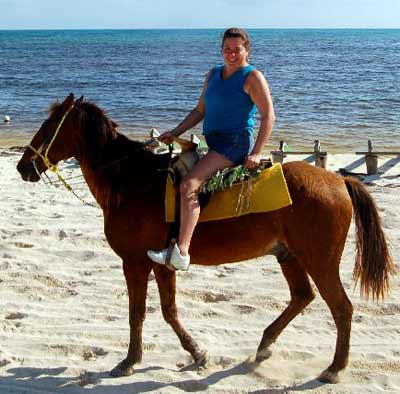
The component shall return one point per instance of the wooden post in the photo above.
(277, 156)
(317, 146)
(282, 146)
(155, 146)
(321, 159)
(154, 133)
(371, 160)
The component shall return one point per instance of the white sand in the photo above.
(64, 312)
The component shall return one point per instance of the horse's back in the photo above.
(306, 181)
(321, 213)
(315, 190)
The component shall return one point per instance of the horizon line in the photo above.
(197, 28)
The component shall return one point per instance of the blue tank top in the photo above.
(228, 108)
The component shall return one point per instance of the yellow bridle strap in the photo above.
(56, 132)
(46, 161)
(45, 157)
(54, 167)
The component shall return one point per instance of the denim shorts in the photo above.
(234, 146)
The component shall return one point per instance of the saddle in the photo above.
(187, 159)
(266, 191)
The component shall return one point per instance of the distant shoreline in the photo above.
(302, 143)
(200, 29)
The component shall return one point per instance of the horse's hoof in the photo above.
(328, 377)
(120, 370)
(201, 358)
(263, 355)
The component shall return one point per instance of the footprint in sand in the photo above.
(5, 266)
(244, 309)
(88, 255)
(208, 296)
(150, 309)
(210, 313)
(4, 362)
(20, 233)
(93, 353)
(229, 270)
(15, 316)
(62, 235)
(86, 378)
(222, 361)
(23, 245)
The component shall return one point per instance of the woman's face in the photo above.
(234, 52)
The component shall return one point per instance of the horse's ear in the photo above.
(68, 101)
(114, 125)
(79, 101)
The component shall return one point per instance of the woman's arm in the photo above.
(195, 116)
(257, 88)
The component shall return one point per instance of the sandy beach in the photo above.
(64, 307)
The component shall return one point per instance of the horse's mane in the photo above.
(122, 166)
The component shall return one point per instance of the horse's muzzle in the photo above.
(28, 171)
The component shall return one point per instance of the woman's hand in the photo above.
(252, 160)
(167, 137)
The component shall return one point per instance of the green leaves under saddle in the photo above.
(227, 177)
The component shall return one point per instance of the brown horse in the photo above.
(307, 238)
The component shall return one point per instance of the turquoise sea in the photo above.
(340, 86)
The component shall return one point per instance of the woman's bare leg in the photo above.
(190, 208)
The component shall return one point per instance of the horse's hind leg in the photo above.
(166, 281)
(301, 295)
(331, 290)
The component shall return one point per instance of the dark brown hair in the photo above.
(236, 32)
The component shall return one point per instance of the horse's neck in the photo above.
(98, 186)
(125, 176)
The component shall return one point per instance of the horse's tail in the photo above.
(374, 263)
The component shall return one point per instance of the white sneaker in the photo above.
(178, 261)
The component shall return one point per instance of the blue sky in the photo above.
(71, 14)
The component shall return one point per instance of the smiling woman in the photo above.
(232, 94)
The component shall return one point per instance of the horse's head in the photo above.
(49, 142)
(70, 129)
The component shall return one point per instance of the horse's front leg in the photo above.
(136, 276)
(166, 281)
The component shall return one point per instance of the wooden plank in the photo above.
(378, 153)
(301, 153)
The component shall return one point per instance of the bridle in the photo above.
(45, 147)
(45, 156)
(43, 152)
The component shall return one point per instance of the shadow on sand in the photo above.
(48, 380)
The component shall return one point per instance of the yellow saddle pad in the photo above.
(267, 192)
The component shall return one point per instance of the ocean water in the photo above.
(339, 86)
